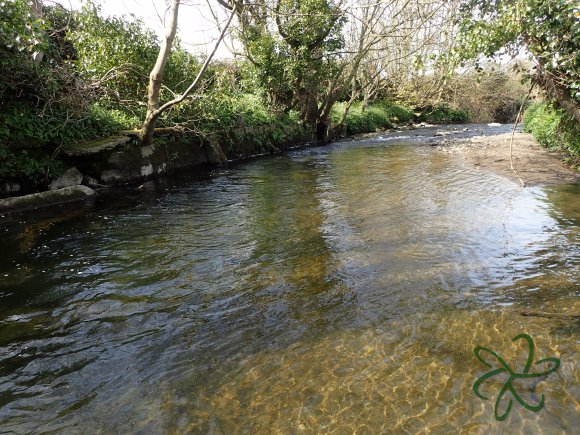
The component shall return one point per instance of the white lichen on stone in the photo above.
(111, 175)
(147, 170)
(147, 151)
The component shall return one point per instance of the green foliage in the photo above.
(543, 123)
(442, 114)
(293, 64)
(218, 111)
(22, 125)
(377, 116)
(240, 122)
(553, 128)
(43, 103)
(22, 35)
(119, 53)
(395, 112)
(235, 118)
(550, 30)
(86, 58)
(372, 119)
(20, 31)
(24, 165)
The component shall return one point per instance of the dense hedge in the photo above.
(377, 116)
(442, 114)
(554, 129)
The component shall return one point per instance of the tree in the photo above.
(154, 107)
(295, 48)
(309, 54)
(42, 95)
(548, 30)
(389, 45)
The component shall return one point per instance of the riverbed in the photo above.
(327, 290)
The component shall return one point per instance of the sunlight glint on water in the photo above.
(331, 290)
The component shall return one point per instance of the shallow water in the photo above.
(333, 289)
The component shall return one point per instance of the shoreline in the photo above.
(536, 165)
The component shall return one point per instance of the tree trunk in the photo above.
(156, 75)
(563, 98)
(37, 14)
(322, 131)
(154, 110)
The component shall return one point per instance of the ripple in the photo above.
(334, 289)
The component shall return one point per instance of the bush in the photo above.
(91, 81)
(395, 112)
(25, 165)
(377, 116)
(43, 103)
(553, 128)
(371, 119)
(114, 48)
(26, 126)
(442, 115)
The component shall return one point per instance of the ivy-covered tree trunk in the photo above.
(37, 14)
(295, 47)
(548, 30)
(559, 94)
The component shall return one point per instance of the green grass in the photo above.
(35, 166)
(25, 126)
(554, 129)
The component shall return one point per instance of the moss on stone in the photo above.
(95, 146)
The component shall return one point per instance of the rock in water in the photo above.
(71, 177)
(45, 199)
(91, 182)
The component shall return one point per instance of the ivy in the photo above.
(553, 128)
(294, 63)
(549, 31)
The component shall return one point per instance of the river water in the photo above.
(332, 289)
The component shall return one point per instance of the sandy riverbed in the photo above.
(535, 165)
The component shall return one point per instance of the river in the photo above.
(330, 289)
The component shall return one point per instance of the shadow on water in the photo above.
(331, 289)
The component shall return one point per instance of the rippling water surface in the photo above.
(332, 289)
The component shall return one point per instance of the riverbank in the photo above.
(478, 145)
(535, 164)
(122, 159)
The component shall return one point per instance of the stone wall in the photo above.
(121, 160)
(171, 151)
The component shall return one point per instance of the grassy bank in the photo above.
(90, 82)
(381, 115)
(554, 129)
(242, 125)
(376, 116)
(441, 115)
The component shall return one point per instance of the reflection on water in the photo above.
(331, 290)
